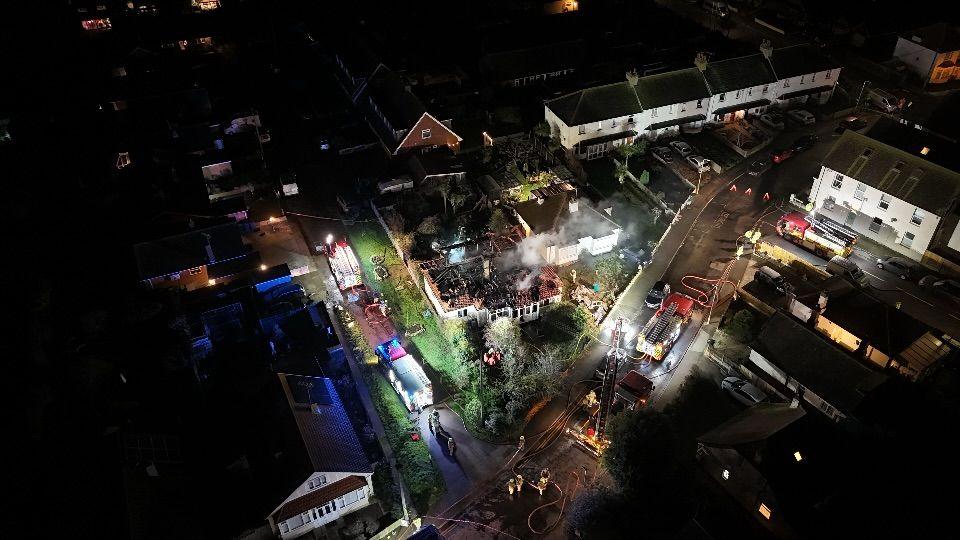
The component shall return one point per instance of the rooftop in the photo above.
(815, 363)
(940, 37)
(753, 425)
(596, 104)
(737, 73)
(543, 215)
(189, 250)
(328, 436)
(800, 60)
(672, 87)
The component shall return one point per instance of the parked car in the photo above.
(805, 143)
(781, 155)
(681, 148)
(851, 122)
(904, 268)
(662, 154)
(883, 99)
(944, 287)
(801, 116)
(771, 278)
(841, 266)
(743, 391)
(772, 120)
(657, 293)
(699, 163)
(759, 167)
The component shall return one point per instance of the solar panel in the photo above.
(308, 390)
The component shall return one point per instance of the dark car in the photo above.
(805, 143)
(854, 123)
(780, 155)
(904, 268)
(663, 154)
(759, 167)
(657, 293)
(947, 288)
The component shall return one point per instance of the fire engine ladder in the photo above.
(608, 387)
(656, 335)
(833, 231)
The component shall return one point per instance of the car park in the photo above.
(681, 148)
(903, 268)
(759, 167)
(662, 154)
(772, 120)
(851, 122)
(699, 163)
(743, 391)
(657, 293)
(947, 288)
(801, 116)
(805, 143)
(780, 155)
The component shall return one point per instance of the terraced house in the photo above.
(592, 121)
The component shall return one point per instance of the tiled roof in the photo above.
(935, 187)
(394, 100)
(940, 37)
(672, 87)
(319, 497)
(753, 425)
(800, 60)
(544, 216)
(738, 73)
(596, 104)
(328, 435)
(189, 250)
(513, 64)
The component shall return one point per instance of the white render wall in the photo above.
(896, 218)
(667, 113)
(920, 59)
(744, 95)
(803, 82)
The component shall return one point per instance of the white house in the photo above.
(338, 481)
(592, 121)
(931, 52)
(892, 186)
(560, 229)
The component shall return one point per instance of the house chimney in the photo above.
(700, 61)
(486, 269)
(632, 77)
(766, 48)
(574, 205)
(211, 258)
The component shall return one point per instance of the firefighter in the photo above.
(430, 424)
(520, 446)
(451, 446)
(511, 486)
(436, 420)
(542, 485)
(519, 482)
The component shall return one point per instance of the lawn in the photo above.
(600, 173)
(408, 304)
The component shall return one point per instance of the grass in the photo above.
(420, 473)
(600, 172)
(407, 302)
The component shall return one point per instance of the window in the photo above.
(314, 483)
(907, 240)
(613, 123)
(722, 97)
(838, 181)
(876, 225)
(653, 112)
(699, 103)
(630, 120)
(918, 216)
(750, 92)
(884, 201)
(867, 152)
(425, 134)
(195, 271)
(582, 130)
(827, 75)
(765, 87)
(350, 498)
(738, 93)
(786, 83)
(860, 193)
(801, 78)
(813, 77)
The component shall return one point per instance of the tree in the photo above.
(543, 129)
(458, 196)
(621, 170)
(498, 222)
(740, 326)
(609, 270)
(644, 177)
(429, 226)
(566, 321)
(444, 186)
(601, 513)
(504, 335)
(629, 150)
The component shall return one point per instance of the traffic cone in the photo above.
(766, 196)
(748, 191)
(733, 187)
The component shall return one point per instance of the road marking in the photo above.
(915, 296)
(874, 275)
(954, 315)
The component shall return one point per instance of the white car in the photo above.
(699, 163)
(771, 121)
(743, 391)
(801, 116)
(681, 148)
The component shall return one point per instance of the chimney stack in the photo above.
(486, 268)
(574, 205)
(700, 61)
(632, 77)
(766, 48)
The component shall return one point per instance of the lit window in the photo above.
(797, 456)
(885, 201)
(907, 240)
(924, 151)
(425, 134)
(860, 193)
(838, 181)
(726, 474)
(918, 216)
(765, 511)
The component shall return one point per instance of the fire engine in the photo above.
(344, 264)
(819, 235)
(658, 335)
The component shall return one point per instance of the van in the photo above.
(715, 7)
(771, 278)
(882, 99)
(841, 266)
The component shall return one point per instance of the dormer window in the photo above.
(630, 120)
(314, 483)
(425, 134)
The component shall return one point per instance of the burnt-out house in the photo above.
(484, 288)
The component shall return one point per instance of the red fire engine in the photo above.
(658, 335)
(819, 235)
